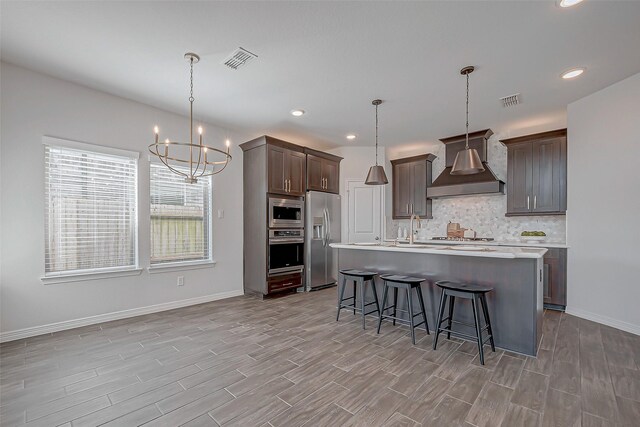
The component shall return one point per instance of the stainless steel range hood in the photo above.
(447, 185)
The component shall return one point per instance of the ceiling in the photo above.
(332, 58)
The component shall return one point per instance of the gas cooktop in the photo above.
(464, 239)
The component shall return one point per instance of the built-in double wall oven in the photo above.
(286, 251)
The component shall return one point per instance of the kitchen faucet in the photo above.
(411, 231)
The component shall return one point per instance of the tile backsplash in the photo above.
(484, 214)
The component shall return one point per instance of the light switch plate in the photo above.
(220, 213)
(180, 280)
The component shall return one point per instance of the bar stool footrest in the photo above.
(458, 334)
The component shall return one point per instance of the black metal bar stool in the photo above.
(360, 280)
(475, 293)
(408, 284)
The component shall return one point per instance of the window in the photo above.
(90, 212)
(180, 217)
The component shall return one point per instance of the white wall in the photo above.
(604, 206)
(34, 105)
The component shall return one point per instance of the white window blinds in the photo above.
(91, 218)
(180, 217)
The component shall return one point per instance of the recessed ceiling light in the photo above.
(297, 113)
(569, 3)
(351, 136)
(572, 73)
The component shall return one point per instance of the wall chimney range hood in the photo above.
(447, 185)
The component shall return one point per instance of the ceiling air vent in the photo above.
(511, 100)
(239, 58)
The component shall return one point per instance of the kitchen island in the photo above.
(515, 273)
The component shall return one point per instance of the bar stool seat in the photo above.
(477, 295)
(408, 283)
(465, 287)
(360, 280)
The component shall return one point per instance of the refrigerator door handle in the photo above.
(328, 227)
(324, 227)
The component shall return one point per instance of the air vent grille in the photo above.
(239, 58)
(511, 100)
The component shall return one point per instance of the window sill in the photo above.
(89, 275)
(178, 266)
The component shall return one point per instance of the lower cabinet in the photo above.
(555, 278)
(285, 282)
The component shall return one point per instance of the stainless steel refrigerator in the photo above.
(322, 227)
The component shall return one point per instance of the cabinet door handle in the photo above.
(407, 207)
(535, 202)
(287, 185)
(412, 208)
(528, 207)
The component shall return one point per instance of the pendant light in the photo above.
(376, 175)
(467, 161)
(193, 159)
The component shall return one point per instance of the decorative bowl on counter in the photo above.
(533, 236)
(533, 239)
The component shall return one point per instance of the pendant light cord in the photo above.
(376, 134)
(467, 137)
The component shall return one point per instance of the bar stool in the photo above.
(475, 293)
(408, 284)
(360, 280)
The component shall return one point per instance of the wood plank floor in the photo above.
(287, 362)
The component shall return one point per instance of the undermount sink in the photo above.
(468, 248)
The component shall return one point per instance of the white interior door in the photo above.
(365, 212)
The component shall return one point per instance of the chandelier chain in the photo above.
(191, 98)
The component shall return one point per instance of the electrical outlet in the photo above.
(180, 280)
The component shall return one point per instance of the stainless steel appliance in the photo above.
(323, 228)
(286, 213)
(286, 251)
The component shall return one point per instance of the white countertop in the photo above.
(485, 251)
(514, 243)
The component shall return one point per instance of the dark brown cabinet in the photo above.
(555, 278)
(323, 171)
(273, 166)
(411, 177)
(286, 170)
(537, 174)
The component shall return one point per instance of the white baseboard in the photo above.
(608, 321)
(107, 317)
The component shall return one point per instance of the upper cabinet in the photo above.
(537, 174)
(411, 177)
(287, 170)
(323, 171)
(291, 169)
(283, 165)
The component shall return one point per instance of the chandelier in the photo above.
(188, 159)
